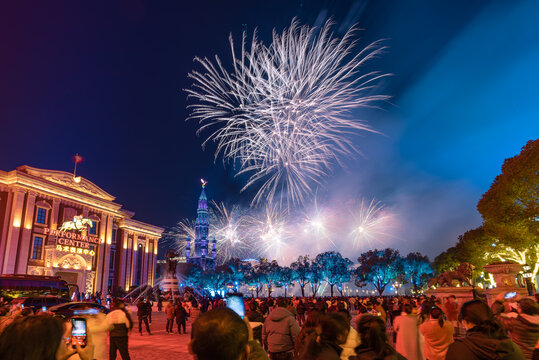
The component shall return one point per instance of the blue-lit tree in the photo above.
(301, 268)
(379, 268)
(334, 268)
(315, 277)
(417, 269)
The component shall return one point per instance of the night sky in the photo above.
(105, 80)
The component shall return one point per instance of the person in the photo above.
(452, 309)
(523, 329)
(332, 332)
(181, 315)
(169, 312)
(352, 341)
(307, 331)
(485, 336)
(257, 320)
(280, 332)
(149, 307)
(300, 310)
(142, 314)
(374, 341)
(121, 324)
(41, 337)
(159, 304)
(220, 334)
(194, 312)
(408, 341)
(438, 335)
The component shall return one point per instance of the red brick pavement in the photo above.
(159, 345)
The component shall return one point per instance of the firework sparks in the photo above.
(269, 231)
(229, 228)
(283, 112)
(371, 221)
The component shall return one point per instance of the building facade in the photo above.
(52, 223)
(199, 252)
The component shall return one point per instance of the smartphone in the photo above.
(78, 332)
(510, 295)
(235, 302)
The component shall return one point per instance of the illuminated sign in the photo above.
(79, 223)
(75, 250)
(72, 237)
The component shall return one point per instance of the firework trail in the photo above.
(283, 114)
(229, 226)
(269, 230)
(371, 221)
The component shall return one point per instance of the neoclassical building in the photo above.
(52, 223)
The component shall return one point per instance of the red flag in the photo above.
(77, 159)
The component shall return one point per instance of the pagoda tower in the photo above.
(199, 252)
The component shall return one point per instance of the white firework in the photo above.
(371, 221)
(283, 114)
(229, 227)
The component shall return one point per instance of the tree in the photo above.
(237, 271)
(301, 268)
(378, 267)
(446, 261)
(269, 273)
(315, 277)
(417, 269)
(510, 208)
(335, 269)
(286, 276)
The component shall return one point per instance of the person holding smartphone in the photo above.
(121, 322)
(54, 342)
(524, 328)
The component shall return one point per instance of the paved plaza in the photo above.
(159, 345)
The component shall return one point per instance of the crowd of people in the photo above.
(353, 328)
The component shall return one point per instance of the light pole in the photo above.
(527, 275)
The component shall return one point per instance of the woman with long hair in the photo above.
(485, 336)
(438, 334)
(374, 343)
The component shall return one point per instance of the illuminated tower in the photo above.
(201, 253)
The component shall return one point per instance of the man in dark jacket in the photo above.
(181, 315)
(280, 332)
(524, 329)
(143, 313)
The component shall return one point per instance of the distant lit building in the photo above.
(54, 224)
(199, 252)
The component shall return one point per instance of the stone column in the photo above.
(12, 240)
(100, 268)
(6, 225)
(54, 214)
(106, 260)
(134, 254)
(26, 237)
(122, 266)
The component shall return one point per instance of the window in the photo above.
(37, 248)
(93, 228)
(112, 256)
(41, 216)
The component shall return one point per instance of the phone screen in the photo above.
(78, 331)
(235, 302)
(510, 295)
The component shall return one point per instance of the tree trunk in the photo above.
(302, 290)
(269, 290)
(285, 291)
(331, 289)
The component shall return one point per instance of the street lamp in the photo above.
(397, 285)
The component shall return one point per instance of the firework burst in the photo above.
(372, 221)
(283, 114)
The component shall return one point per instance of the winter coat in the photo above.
(408, 337)
(169, 311)
(329, 351)
(437, 339)
(478, 346)
(280, 330)
(181, 314)
(524, 331)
